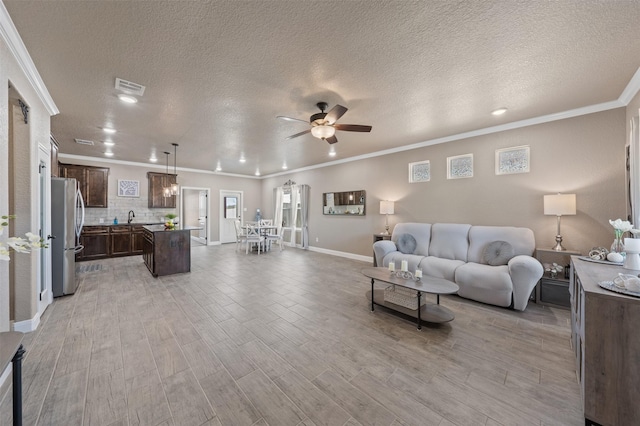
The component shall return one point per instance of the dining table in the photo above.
(263, 230)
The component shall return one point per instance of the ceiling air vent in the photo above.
(83, 142)
(129, 87)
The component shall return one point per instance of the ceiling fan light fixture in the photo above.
(323, 131)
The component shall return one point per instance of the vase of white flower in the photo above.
(619, 227)
(18, 244)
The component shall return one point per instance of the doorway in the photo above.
(230, 209)
(194, 211)
(45, 294)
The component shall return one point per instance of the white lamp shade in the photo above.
(323, 132)
(386, 207)
(560, 204)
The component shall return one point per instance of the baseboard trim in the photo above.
(27, 326)
(342, 254)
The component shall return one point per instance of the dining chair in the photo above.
(277, 237)
(266, 222)
(254, 237)
(241, 237)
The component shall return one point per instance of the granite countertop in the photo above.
(161, 228)
(123, 223)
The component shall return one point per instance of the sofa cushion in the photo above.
(497, 253)
(420, 231)
(406, 244)
(440, 268)
(449, 241)
(485, 283)
(521, 239)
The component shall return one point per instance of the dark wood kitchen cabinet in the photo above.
(95, 240)
(120, 240)
(137, 239)
(157, 181)
(93, 182)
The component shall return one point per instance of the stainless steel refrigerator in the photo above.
(67, 219)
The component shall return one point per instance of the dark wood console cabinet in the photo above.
(606, 343)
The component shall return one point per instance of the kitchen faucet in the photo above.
(131, 216)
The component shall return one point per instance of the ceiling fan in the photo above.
(323, 124)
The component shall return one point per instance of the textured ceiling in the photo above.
(217, 73)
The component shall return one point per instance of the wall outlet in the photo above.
(102, 220)
(317, 240)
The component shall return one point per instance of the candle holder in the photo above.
(405, 274)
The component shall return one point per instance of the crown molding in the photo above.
(162, 167)
(11, 37)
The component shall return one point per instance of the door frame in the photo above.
(207, 222)
(45, 297)
(224, 193)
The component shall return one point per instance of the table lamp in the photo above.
(386, 208)
(559, 205)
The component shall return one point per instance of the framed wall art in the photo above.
(512, 160)
(420, 171)
(128, 188)
(460, 166)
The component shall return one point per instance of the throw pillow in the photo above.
(498, 253)
(406, 244)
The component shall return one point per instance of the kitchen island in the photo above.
(165, 251)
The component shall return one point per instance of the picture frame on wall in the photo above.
(460, 166)
(513, 160)
(420, 171)
(128, 188)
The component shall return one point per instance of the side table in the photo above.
(553, 288)
(379, 237)
(11, 350)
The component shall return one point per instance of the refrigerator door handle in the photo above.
(80, 216)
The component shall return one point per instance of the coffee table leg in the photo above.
(17, 386)
(372, 294)
(437, 299)
(419, 309)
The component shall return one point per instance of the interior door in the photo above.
(202, 215)
(230, 210)
(45, 295)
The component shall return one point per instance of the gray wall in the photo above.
(583, 155)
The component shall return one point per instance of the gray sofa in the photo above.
(490, 264)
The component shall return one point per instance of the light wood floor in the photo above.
(285, 338)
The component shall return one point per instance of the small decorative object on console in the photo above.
(620, 227)
(598, 253)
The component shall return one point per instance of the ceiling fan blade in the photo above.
(335, 114)
(332, 139)
(282, 117)
(299, 134)
(352, 128)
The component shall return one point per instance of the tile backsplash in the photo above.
(119, 207)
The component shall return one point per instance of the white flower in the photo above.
(621, 225)
(18, 244)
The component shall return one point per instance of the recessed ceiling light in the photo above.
(153, 159)
(332, 152)
(127, 99)
(284, 166)
(108, 154)
(218, 168)
(108, 143)
(499, 111)
(257, 172)
(243, 160)
(108, 130)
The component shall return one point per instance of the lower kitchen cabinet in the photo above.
(101, 242)
(95, 240)
(120, 240)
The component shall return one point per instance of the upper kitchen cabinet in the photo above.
(93, 183)
(157, 181)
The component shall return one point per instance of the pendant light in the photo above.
(166, 190)
(174, 186)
